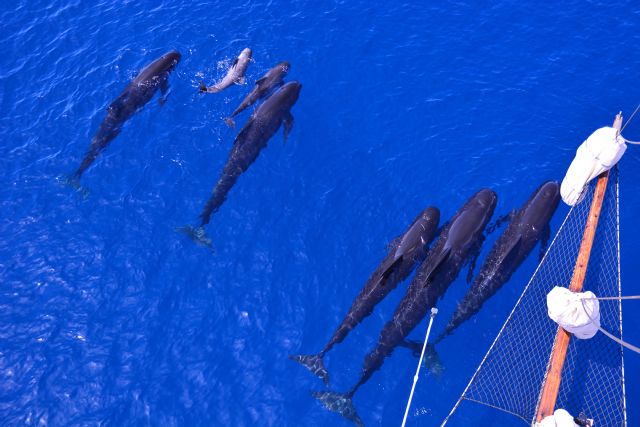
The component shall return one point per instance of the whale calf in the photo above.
(459, 239)
(137, 93)
(234, 75)
(274, 112)
(264, 85)
(527, 226)
(405, 251)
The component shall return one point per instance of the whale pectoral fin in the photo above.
(390, 269)
(472, 264)
(164, 86)
(164, 89)
(544, 241)
(242, 80)
(288, 125)
(473, 258)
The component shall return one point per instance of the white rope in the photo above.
(619, 341)
(606, 333)
(617, 193)
(625, 125)
(504, 325)
(615, 298)
(434, 311)
(631, 117)
(631, 142)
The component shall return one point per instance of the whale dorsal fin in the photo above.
(390, 269)
(511, 250)
(411, 239)
(260, 81)
(442, 257)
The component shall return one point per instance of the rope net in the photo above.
(511, 375)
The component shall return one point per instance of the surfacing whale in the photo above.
(528, 225)
(274, 112)
(458, 240)
(137, 93)
(405, 251)
(264, 86)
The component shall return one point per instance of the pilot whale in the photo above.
(264, 86)
(234, 75)
(459, 239)
(274, 112)
(405, 251)
(137, 93)
(527, 226)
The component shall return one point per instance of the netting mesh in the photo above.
(511, 375)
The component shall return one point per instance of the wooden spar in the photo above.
(551, 385)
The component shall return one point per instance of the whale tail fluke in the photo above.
(229, 121)
(432, 361)
(314, 364)
(340, 403)
(431, 357)
(389, 269)
(73, 181)
(198, 235)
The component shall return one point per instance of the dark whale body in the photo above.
(264, 86)
(137, 93)
(527, 226)
(252, 138)
(405, 251)
(459, 239)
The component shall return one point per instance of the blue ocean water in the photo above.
(109, 317)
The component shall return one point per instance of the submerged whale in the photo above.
(405, 251)
(234, 75)
(274, 112)
(137, 93)
(459, 239)
(264, 85)
(527, 226)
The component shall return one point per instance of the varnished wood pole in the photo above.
(551, 384)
